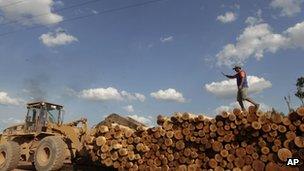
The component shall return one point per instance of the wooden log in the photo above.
(252, 117)
(105, 148)
(247, 168)
(218, 168)
(262, 118)
(293, 116)
(265, 150)
(271, 166)
(250, 149)
(182, 168)
(123, 152)
(167, 125)
(108, 162)
(220, 123)
(277, 142)
(186, 131)
(100, 141)
(301, 127)
(186, 116)
(271, 157)
(299, 141)
(114, 156)
(230, 158)
(275, 148)
(116, 164)
(103, 129)
(264, 158)
(224, 163)
(258, 165)
(180, 145)
(212, 163)
(290, 135)
(187, 152)
(273, 134)
(274, 126)
(286, 121)
(266, 128)
(248, 159)
(237, 111)
(282, 129)
(224, 153)
(262, 143)
(300, 111)
(218, 158)
(224, 114)
(200, 118)
(284, 154)
(199, 126)
(230, 165)
(276, 118)
(240, 152)
(297, 123)
(232, 117)
(239, 162)
(255, 155)
(217, 146)
(178, 134)
(232, 125)
(256, 125)
(213, 128)
(89, 139)
(292, 127)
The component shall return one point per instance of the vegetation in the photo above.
(300, 89)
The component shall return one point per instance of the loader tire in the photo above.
(9, 156)
(50, 154)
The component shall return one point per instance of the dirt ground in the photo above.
(25, 166)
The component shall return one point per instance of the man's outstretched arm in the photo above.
(229, 76)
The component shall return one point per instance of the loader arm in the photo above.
(71, 132)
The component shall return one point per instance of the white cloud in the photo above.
(133, 96)
(140, 97)
(228, 17)
(257, 39)
(231, 106)
(129, 108)
(168, 95)
(228, 88)
(166, 39)
(102, 94)
(25, 12)
(288, 7)
(141, 119)
(255, 20)
(254, 41)
(110, 93)
(57, 38)
(295, 35)
(6, 100)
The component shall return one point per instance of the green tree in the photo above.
(300, 89)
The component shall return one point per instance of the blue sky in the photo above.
(154, 59)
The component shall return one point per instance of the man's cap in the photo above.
(237, 66)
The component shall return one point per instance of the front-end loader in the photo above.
(43, 139)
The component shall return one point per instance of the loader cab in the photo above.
(41, 113)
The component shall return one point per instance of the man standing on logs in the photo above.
(242, 85)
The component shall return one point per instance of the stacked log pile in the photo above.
(250, 140)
